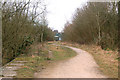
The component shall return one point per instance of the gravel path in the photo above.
(81, 66)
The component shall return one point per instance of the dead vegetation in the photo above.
(40, 57)
(106, 59)
(22, 25)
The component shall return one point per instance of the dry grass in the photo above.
(35, 61)
(61, 53)
(106, 59)
(33, 65)
(37, 58)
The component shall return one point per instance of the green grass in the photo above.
(36, 63)
(61, 53)
(65, 54)
(32, 66)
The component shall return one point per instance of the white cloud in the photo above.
(60, 11)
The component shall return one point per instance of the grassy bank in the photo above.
(106, 59)
(39, 59)
(35, 61)
(33, 65)
(61, 52)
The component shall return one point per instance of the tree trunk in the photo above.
(99, 29)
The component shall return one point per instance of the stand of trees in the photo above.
(23, 23)
(95, 23)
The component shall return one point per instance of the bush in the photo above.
(21, 28)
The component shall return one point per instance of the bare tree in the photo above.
(94, 23)
(21, 27)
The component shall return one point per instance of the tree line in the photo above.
(23, 23)
(94, 23)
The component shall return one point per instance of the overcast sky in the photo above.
(60, 11)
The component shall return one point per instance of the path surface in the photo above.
(81, 66)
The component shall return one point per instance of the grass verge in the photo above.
(61, 52)
(38, 58)
(34, 64)
(106, 59)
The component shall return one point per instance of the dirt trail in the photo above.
(81, 66)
